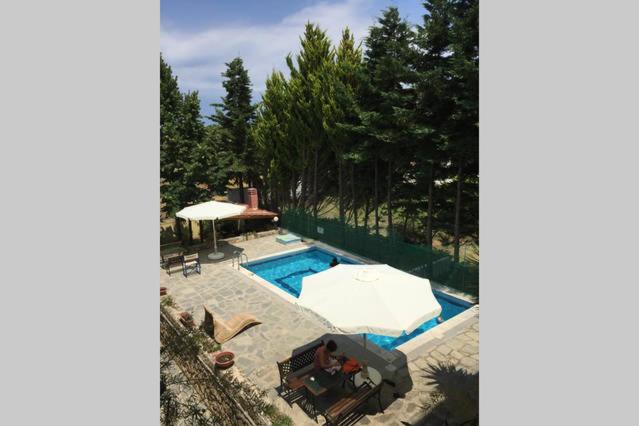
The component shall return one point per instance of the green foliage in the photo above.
(389, 128)
(234, 117)
(183, 146)
(277, 418)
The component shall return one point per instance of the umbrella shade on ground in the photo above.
(375, 299)
(211, 210)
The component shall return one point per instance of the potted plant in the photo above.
(224, 359)
(187, 319)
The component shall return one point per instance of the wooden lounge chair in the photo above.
(223, 331)
(347, 407)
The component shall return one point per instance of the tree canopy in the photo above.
(382, 135)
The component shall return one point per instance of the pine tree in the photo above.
(306, 86)
(389, 96)
(464, 123)
(274, 151)
(434, 105)
(170, 138)
(235, 115)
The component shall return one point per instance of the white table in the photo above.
(374, 377)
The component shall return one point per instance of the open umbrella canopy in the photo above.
(211, 210)
(375, 299)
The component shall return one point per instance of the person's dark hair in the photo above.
(331, 346)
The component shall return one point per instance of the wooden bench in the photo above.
(172, 260)
(350, 404)
(295, 369)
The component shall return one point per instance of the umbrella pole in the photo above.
(214, 238)
(215, 255)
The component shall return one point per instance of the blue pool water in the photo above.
(450, 308)
(286, 272)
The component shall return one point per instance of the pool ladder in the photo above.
(239, 256)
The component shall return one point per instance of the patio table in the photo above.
(373, 377)
(318, 384)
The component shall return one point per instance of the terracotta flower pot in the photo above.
(224, 359)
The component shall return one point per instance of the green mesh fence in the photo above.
(423, 261)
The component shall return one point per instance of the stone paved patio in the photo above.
(227, 292)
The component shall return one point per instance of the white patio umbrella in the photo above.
(375, 299)
(211, 210)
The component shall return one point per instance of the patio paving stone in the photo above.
(228, 292)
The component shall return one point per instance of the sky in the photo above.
(197, 37)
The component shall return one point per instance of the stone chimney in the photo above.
(252, 198)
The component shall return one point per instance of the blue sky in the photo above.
(199, 36)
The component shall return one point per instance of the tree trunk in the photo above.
(457, 212)
(340, 190)
(190, 233)
(376, 198)
(199, 223)
(302, 199)
(294, 191)
(429, 218)
(388, 199)
(178, 229)
(315, 183)
(241, 182)
(353, 191)
(366, 214)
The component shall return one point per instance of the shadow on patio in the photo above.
(454, 399)
(392, 366)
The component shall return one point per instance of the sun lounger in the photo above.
(223, 331)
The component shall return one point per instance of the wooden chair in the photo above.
(348, 406)
(191, 262)
(223, 331)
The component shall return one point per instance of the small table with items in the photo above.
(367, 374)
(319, 384)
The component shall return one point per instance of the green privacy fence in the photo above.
(419, 260)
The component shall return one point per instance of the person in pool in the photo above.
(334, 262)
(324, 359)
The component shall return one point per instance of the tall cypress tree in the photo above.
(434, 103)
(235, 115)
(170, 138)
(312, 64)
(274, 148)
(390, 94)
(464, 123)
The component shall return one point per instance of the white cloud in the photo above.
(199, 58)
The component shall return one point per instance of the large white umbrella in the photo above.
(211, 210)
(375, 299)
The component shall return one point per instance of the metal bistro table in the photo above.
(373, 377)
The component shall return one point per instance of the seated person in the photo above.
(324, 359)
(334, 262)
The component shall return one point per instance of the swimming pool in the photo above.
(450, 308)
(286, 273)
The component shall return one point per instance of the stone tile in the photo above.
(228, 292)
